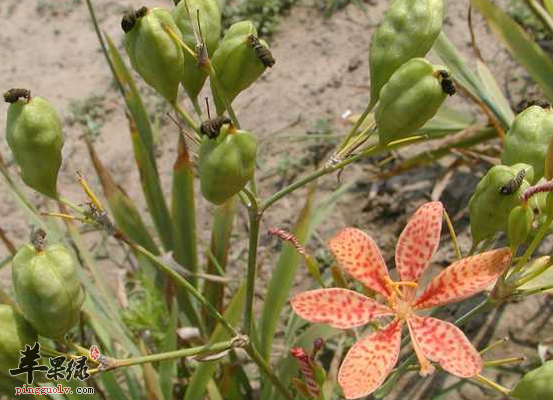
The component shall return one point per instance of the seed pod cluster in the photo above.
(226, 163)
(15, 333)
(47, 288)
(153, 53)
(236, 62)
(200, 16)
(409, 99)
(34, 134)
(489, 207)
(408, 30)
(528, 139)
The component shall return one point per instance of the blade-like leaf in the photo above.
(223, 222)
(494, 91)
(466, 77)
(168, 369)
(282, 279)
(525, 50)
(143, 145)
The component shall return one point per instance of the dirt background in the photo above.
(321, 72)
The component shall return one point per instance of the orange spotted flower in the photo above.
(370, 360)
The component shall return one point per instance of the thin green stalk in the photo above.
(503, 361)
(187, 118)
(453, 235)
(530, 292)
(533, 275)
(222, 95)
(358, 123)
(327, 169)
(255, 218)
(534, 245)
(493, 385)
(170, 355)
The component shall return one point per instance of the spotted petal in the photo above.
(370, 361)
(339, 308)
(444, 343)
(464, 278)
(419, 241)
(359, 256)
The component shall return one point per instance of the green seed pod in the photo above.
(408, 30)
(491, 204)
(153, 53)
(528, 139)
(15, 333)
(226, 163)
(410, 98)
(47, 288)
(208, 13)
(536, 384)
(519, 226)
(238, 61)
(35, 137)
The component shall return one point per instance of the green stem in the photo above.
(453, 235)
(358, 123)
(222, 95)
(327, 169)
(526, 293)
(534, 274)
(255, 219)
(187, 118)
(534, 245)
(172, 355)
(268, 371)
(495, 386)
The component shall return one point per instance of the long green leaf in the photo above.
(205, 371)
(142, 140)
(223, 222)
(183, 211)
(525, 50)
(168, 369)
(282, 279)
(466, 77)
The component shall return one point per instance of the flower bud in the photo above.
(408, 30)
(153, 53)
(15, 333)
(47, 288)
(519, 226)
(226, 163)
(35, 137)
(491, 202)
(410, 98)
(528, 139)
(205, 17)
(238, 61)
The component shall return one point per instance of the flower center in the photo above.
(400, 300)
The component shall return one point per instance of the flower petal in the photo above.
(445, 344)
(339, 308)
(419, 241)
(370, 361)
(359, 256)
(464, 278)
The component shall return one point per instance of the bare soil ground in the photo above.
(321, 71)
